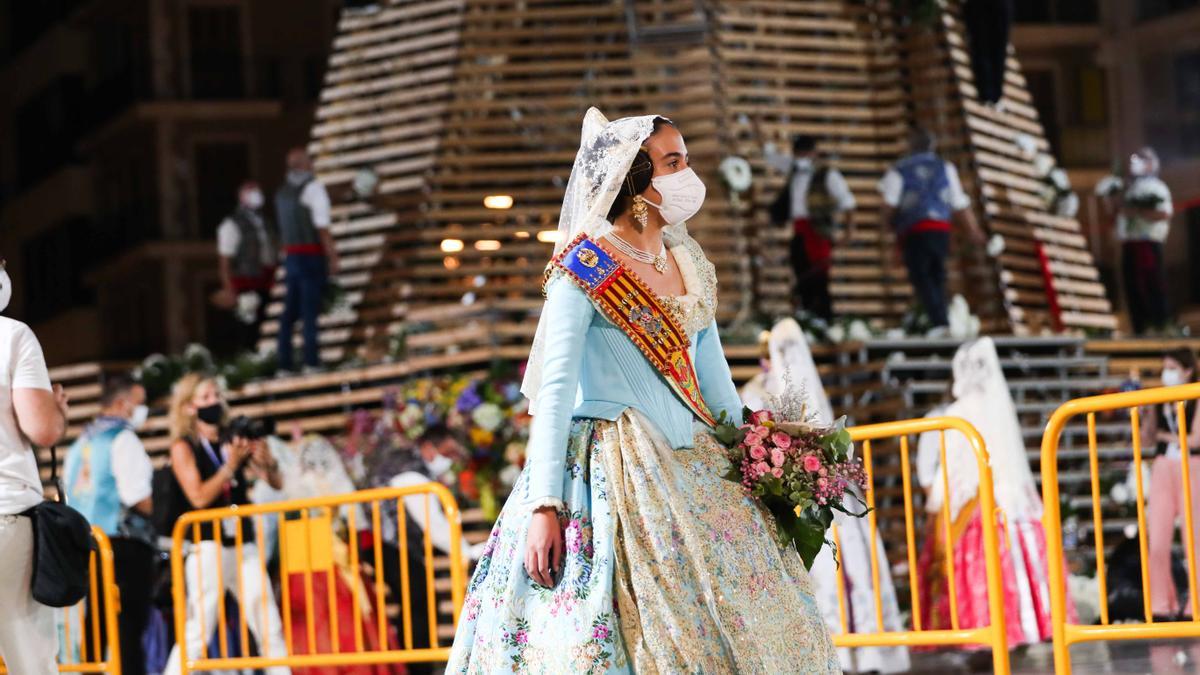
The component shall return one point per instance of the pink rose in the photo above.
(777, 472)
(811, 463)
(757, 452)
(781, 440)
(761, 432)
(777, 457)
(761, 416)
(761, 468)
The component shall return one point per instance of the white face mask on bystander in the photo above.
(1172, 377)
(5, 288)
(253, 199)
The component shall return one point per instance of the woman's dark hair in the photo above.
(1185, 357)
(638, 178)
(436, 434)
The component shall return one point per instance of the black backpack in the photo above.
(169, 500)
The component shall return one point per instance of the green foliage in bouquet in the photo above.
(797, 472)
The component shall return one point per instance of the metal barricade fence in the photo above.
(88, 631)
(1066, 634)
(993, 634)
(335, 554)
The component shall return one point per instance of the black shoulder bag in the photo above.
(62, 548)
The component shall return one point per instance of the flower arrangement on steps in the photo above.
(485, 412)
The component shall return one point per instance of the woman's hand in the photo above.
(544, 547)
(237, 451)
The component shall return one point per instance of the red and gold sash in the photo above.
(633, 308)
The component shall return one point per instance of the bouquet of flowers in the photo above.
(799, 472)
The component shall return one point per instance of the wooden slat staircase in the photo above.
(450, 101)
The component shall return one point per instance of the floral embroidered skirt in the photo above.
(669, 568)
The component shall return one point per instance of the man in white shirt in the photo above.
(302, 209)
(817, 203)
(31, 413)
(108, 479)
(247, 251)
(922, 197)
(1144, 213)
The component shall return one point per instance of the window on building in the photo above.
(47, 129)
(1055, 11)
(215, 52)
(1187, 102)
(1152, 9)
(220, 167)
(54, 264)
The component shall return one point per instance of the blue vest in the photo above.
(91, 486)
(926, 189)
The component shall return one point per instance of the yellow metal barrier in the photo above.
(993, 634)
(89, 646)
(1066, 634)
(339, 537)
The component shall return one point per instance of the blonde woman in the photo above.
(211, 474)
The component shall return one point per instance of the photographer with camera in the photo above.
(213, 468)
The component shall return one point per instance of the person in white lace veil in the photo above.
(982, 397)
(791, 366)
(626, 378)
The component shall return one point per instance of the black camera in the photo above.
(250, 428)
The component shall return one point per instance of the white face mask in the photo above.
(5, 289)
(804, 163)
(254, 199)
(682, 195)
(1172, 377)
(137, 420)
(439, 465)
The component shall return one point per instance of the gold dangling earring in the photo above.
(641, 213)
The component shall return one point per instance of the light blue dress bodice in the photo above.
(592, 369)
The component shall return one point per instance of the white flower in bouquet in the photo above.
(1120, 493)
(736, 172)
(1060, 179)
(995, 245)
(412, 419)
(1067, 205)
(509, 475)
(836, 333)
(247, 307)
(963, 325)
(1043, 164)
(859, 331)
(1027, 145)
(488, 416)
(1109, 185)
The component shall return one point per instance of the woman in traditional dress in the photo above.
(622, 548)
(981, 397)
(790, 365)
(313, 467)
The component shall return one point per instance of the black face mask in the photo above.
(211, 414)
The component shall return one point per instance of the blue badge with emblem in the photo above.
(588, 262)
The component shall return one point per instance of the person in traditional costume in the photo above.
(622, 547)
(981, 397)
(789, 365)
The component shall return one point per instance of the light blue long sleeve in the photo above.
(569, 314)
(716, 381)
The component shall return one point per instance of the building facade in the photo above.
(1108, 77)
(131, 124)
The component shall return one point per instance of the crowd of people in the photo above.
(923, 201)
(574, 572)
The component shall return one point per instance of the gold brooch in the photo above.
(588, 258)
